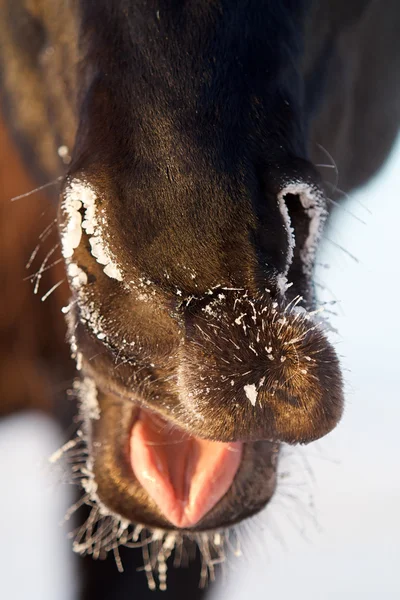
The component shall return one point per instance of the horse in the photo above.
(184, 146)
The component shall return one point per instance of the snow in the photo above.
(282, 283)
(87, 393)
(76, 275)
(87, 310)
(288, 227)
(251, 393)
(97, 250)
(71, 234)
(313, 203)
(80, 194)
(113, 272)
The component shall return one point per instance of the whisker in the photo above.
(323, 286)
(38, 189)
(32, 256)
(53, 264)
(343, 249)
(52, 289)
(350, 198)
(335, 203)
(47, 229)
(42, 266)
(293, 302)
(334, 165)
(117, 558)
(42, 237)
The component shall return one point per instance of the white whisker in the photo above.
(334, 165)
(38, 189)
(343, 249)
(52, 289)
(42, 267)
(335, 203)
(53, 264)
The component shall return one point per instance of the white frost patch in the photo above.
(90, 315)
(311, 199)
(313, 203)
(97, 250)
(288, 226)
(87, 310)
(87, 393)
(251, 393)
(72, 232)
(76, 275)
(77, 195)
(282, 283)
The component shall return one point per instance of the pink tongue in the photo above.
(185, 475)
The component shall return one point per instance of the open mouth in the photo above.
(185, 475)
(145, 469)
(154, 454)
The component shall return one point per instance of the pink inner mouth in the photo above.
(185, 476)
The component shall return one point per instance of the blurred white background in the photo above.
(348, 546)
(35, 555)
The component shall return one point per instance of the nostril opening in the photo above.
(303, 210)
(299, 220)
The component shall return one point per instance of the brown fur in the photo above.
(32, 333)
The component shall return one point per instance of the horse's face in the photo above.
(189, 223)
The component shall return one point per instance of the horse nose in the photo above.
(252, 371)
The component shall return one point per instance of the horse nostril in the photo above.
(253, 370)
